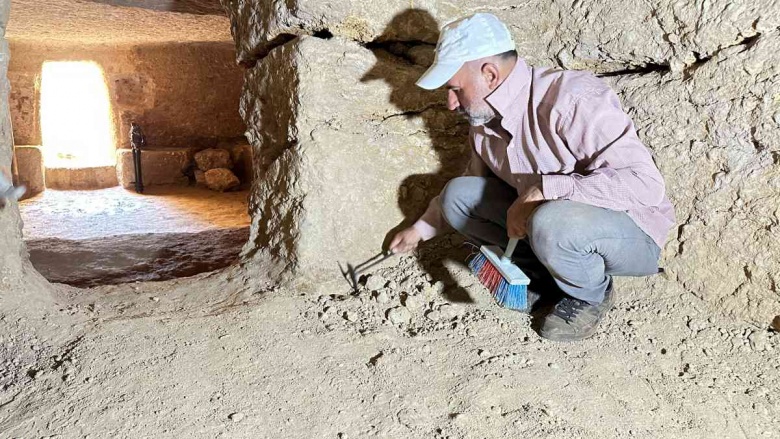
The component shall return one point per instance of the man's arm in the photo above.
(431, 223)
(619, 173)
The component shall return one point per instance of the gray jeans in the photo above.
(572, 246)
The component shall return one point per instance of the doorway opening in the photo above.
(76, 124)
(84, 223)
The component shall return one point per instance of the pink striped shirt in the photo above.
(569, 128)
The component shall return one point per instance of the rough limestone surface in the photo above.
(221, 179)
(10, 222)
(213, 158)
(200, 177)
(81, 178)
(715, 137)
(701, 82)
(158, 167)
(345, 149)
(241, 156)
(597, 34)
(27, 305)
(29, 161)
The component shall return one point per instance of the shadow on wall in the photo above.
(447, 132)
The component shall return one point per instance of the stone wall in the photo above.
(23, 292)
(346, 148)
(700, 80)
(183, 95)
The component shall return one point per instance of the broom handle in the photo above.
(510, 248)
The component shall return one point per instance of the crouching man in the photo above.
(554, 160)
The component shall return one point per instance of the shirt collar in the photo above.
(506, 96)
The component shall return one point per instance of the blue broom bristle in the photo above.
(512, 296)
(477, 262)
(508, 296)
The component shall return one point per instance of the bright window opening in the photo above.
(76, 116)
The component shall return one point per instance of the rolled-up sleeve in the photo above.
(617, 170)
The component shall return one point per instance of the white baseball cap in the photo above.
(474, 37)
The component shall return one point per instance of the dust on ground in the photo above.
(408, 355)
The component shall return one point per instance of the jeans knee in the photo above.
(458, 198)
(556, 227)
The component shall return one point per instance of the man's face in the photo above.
(466, 93)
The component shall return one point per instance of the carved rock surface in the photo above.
(158, 167)
(701, 83)
(715, 138)
(345, 148)
(221, 179)
(23, 291)
(213, 158)
(599, 35)
(31, 170)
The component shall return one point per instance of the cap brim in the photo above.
(437, 75)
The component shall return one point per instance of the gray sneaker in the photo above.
(573, 319)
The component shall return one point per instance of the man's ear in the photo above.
(491, 73)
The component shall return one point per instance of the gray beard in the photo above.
(476, 120)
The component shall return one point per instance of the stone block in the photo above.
(335, 173)
(158, 166)
(29, 160)
(200, 177)
(221, 179)
(213, 158)
(81, 178)
(241, 155)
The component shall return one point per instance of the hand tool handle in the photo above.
(510, 248)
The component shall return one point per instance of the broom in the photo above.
(505, 281)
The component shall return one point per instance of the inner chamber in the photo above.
(86, 222)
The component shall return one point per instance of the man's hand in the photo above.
(405, 241)
(518, 214)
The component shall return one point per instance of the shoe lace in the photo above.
(568, 308)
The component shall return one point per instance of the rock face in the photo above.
(24, 292)
(337, 125)
(31, 171)
(213, 158)
(158, 167)
(346, 148)
(596, 34)
(241, 155)
(12, 256)
(221, 179)
(200, 177)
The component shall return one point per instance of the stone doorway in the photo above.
(76, 89)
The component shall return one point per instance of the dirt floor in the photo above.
(89, 238)
(407, 356)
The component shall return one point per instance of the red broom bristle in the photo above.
(489, 276)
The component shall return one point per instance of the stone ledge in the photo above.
(81, 178)
(29, 159)
(158, 166)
